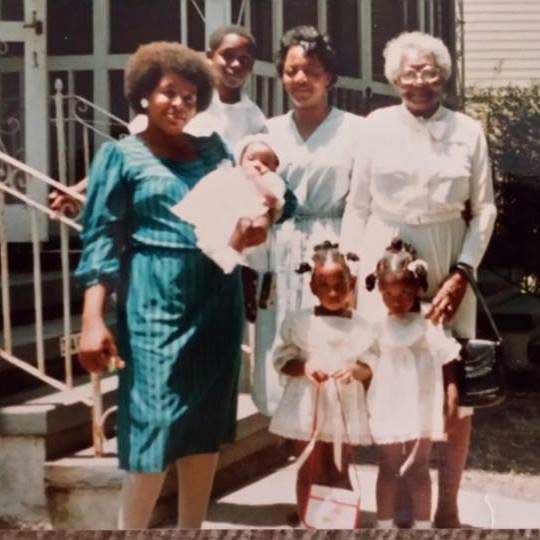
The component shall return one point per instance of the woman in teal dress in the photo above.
(179, 317)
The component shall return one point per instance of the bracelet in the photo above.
(462, 268)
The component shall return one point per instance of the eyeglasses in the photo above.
(428, 75)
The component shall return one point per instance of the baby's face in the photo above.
(333, 285)
(399, 295)
(258, 159)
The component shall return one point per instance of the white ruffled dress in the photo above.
(406, 394)
(330, 342)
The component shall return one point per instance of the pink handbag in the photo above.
(332, 508)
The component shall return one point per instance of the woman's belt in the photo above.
(336, 214)
(417, 218)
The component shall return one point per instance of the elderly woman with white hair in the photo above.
(425, 169)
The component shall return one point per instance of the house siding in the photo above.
(502, 42)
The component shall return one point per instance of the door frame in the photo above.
(32, 32)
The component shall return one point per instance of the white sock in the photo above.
(385, 524)
(419, 524)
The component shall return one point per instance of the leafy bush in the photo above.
(511, 116)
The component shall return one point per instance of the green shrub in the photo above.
(511, 116)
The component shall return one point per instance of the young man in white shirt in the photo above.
(232, 114)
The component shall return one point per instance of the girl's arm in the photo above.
(300, 368)
(451, 393)
(294, 368)
(289, 358)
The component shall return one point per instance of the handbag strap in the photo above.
(309, 448)
(344, 419)
(474, 286)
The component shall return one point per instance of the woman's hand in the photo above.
(97, 349)
(448, 298)
(64, 204)
(249, 233)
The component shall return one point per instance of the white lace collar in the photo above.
(353, 334)
(404, 331)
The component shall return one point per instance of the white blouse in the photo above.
(419, 171)
(318, 169)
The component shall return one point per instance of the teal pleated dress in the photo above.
(180, 318)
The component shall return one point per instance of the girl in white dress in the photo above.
(406, 395)
(316, 144)
(321, 357)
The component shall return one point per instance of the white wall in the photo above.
(502, 42)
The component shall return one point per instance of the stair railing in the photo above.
(95, 124)
(9, 169)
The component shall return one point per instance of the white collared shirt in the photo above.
(416, 171)
(231, 121)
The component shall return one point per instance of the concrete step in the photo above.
(24, 338)
(60, 418)
(41, 425)
(83, 491)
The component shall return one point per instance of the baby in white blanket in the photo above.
(251, 191)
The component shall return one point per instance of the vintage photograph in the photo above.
(269, 265)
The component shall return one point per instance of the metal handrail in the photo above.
(36, 208)
(66, 144)
(27, 169)
(96, 403)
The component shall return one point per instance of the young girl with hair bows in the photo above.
(406, 398)
(321, 358)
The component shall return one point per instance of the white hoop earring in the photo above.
(144, 103)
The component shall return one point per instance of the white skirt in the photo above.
(405, 400)
(343, 418)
